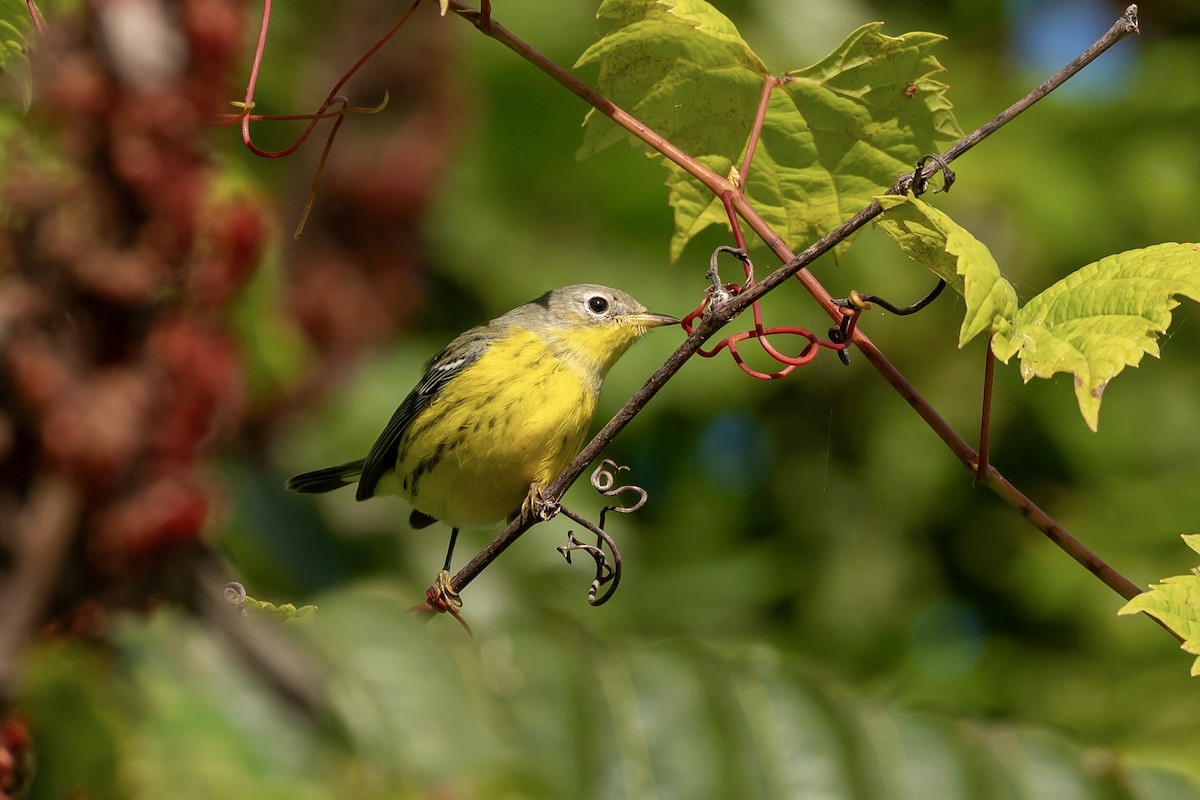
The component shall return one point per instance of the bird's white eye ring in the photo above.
(597, 304)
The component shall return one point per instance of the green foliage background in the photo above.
(806, 538)
(816, 514)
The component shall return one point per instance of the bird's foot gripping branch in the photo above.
(443, 597)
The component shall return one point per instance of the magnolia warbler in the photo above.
(498, 413)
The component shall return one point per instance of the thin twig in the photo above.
(330, 99)
(1125, 25)
(39, 24)
(985, 420)
(42, 536)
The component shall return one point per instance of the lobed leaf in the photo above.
(1093, 323)
(932, 238)
(680, 66)
(836, 133)
(1102, 318)
(1175, 603)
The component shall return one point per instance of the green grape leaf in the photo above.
(1093, 323)
(835, 134)
(1101, 319)
(930, 237)
(1175, 603)
(681, 67)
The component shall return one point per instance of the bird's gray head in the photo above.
(596, 323)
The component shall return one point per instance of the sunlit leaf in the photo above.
(1175, 603)
(836, 133)
(1093, 323)
(681, 67)
(1101, 319)
(933, 239)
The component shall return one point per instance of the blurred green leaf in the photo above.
(836, 133)
(1101, 318)
(270, 342)
(204, 727)
(1175, 603)
(538, 708)
(79, 721)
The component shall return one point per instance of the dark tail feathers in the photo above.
(326, 480)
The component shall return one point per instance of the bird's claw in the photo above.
(442, 595)
(536, 508)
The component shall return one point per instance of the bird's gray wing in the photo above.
(441, 369)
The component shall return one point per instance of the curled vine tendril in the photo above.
(608, 572)
(235, 594)
(604, 480)
(720, 292)
(840, 335)
(917, 181)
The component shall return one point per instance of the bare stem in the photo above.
(43, 536)
(760, 116)
(794, 265)
(985, 421)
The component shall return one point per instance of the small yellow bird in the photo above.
(499, 412)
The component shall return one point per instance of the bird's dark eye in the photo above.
(597, 305)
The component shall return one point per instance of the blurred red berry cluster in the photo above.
(123, 255)
(16, 758)
(358, 273)
(117, 260)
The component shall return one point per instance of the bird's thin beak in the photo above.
(648, 319)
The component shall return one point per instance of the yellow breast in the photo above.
(515, 417)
